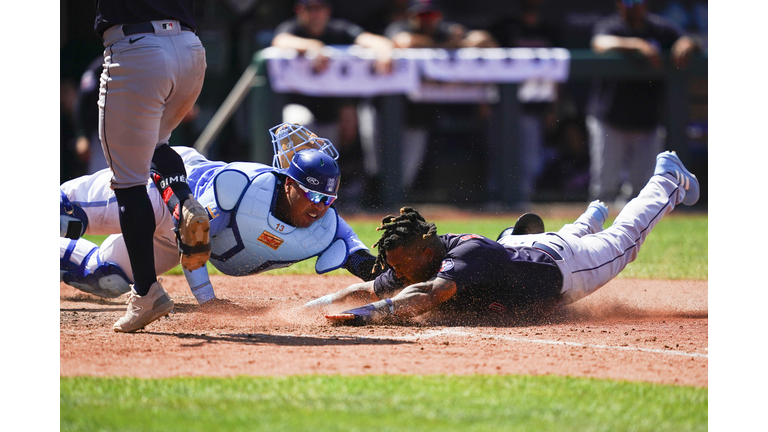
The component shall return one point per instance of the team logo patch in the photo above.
(331, 183)
(446, 265)
(313, 181)
(271, 240)
(497, 307)
(167, 26)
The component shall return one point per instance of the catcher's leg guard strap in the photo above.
(82, 268)
(72, 218)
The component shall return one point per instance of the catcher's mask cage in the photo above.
(289, 138)
(317, 173)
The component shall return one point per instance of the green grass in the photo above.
(676, 249)
(378, 403)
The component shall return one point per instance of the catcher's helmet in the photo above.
(317, 173)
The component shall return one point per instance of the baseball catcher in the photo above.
(261, 218)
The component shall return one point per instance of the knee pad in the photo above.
(89, 274)
(72, 218)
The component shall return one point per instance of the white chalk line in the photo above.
(457, 332)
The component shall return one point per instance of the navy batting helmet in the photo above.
(317, 173)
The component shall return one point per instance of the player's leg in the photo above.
(168, 169)
(82, 267)
(601, 257)
(134, 86)
(90, 201)
(104, 270)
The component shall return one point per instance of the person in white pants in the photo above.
(533, 272)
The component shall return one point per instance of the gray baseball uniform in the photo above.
(153, 74)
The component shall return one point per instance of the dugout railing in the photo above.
(255, 87)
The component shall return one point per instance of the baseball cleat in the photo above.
(669, 163)
(194, 235)
(599, 211)
(528, 223)
(143, 310)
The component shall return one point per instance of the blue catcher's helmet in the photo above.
(317, 173)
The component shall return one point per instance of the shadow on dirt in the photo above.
(282, 340)
(87, 298)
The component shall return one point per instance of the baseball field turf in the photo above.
(410, 402)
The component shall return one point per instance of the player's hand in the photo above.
(649, 51)
(320, 60)
(368, 314)
(383, 64)
(82, 148)
(682, 51)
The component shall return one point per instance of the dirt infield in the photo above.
(637, 330)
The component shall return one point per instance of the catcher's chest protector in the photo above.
(257, 241)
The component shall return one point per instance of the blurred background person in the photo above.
(336, 118)
(538, 97)
(425, 26)
(88, 145)
(624, 115)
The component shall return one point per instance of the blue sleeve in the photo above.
(345, 232)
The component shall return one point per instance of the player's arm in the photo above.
(406, 39)
(359, 262)
(602, 43)
(412, 301)
(304, 46)
(300, 44)
(383, 48)
(358, 293)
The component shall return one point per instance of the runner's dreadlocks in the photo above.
(400, 231)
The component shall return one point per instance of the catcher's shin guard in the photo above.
(81, 267)
(72, 218)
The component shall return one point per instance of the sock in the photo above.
(137, 221)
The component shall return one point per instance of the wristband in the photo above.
(373, 311)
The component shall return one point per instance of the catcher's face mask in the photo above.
(289, 138)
